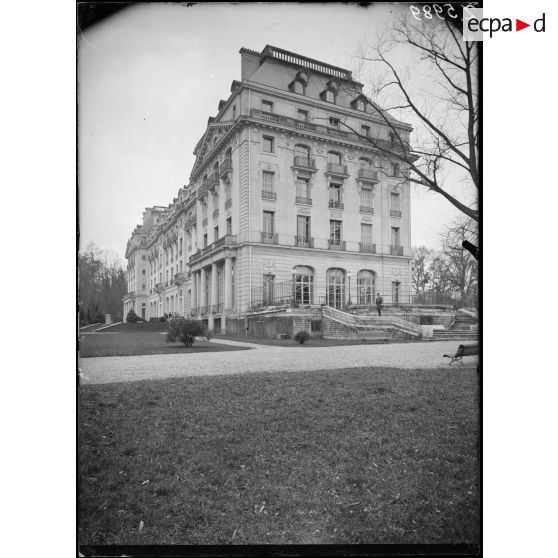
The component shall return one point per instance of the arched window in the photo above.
(303, 284)
(302, 153)
(365, 163)
(335, 287)
(329, 96)
(298, 87)
(334, 157)
(366, 287)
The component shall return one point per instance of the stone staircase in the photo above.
(460, 329)
(359, 324)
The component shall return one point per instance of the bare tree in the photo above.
(461, 271)
(445, 111)
(420, 276)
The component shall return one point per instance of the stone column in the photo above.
(214, 284)
(203, 293)
(228, 283)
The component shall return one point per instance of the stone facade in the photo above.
(294, 197)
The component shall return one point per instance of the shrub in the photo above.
(302, 337)
(163, 319)
(185, 331)
(132, 317)
(116, 319)
(99, 318)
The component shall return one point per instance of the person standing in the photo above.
(379, 302)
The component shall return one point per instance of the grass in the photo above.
(342, 456)
(138, 342)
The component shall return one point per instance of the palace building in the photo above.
(297, 199)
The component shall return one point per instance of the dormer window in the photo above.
(267, 106)
(329, 96)
(334, 122)
(298, 87)
(360, 105)
(330, 93)
(299, 83)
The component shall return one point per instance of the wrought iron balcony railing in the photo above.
(267, 195)
(396, 250)
(366, 209)
(336, 205)
(304, 241)
(367, 247)
(225, 167)
(217, 308)
(334, 244)
(368, 174)
(395, 213)
(269, 238)
(338, 170)
(304, 201)
(304, 163)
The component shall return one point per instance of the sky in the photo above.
(150, 76)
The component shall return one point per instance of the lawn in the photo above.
(113, 342)
(340, 456)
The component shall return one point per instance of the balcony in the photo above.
(367, 248)
(228, 203)
(267, 195)
(262, 115)
(204, 222)
(227, 240)
(337, 133)
(216, 214)
(204, 310)
(304, 241)
(217, 308)
(366, 209)
(335, 244)
(368, 174)
(395, 213)
(214, 181)
(179, 278)
(304, 163)
(225, 168)
(269, 238)
(396, 250)
(337, 170)
(336, 205)
(303, 201)
(202, 190)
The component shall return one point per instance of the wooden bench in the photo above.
(463, 351)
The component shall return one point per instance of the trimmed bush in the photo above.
(162, 319)
(185, 331)
(99, 318)
(301, 337)
(132, 317)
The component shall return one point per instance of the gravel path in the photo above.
(102, 370)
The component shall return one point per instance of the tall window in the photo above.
(267, 106)
(205, 240)
(216, 233)
(394, 169)
(302, 153)
(366, 286)
(365, 163)
(335, 199)
(366, 233)
(303, 229)
(303, 190)
(302, 114)
(329, 96)
(366, 199)
(360, 105)
(303, 283)
(334, 157)
(395, 288)
(234, 112)
(334, 122)
(268, 144)
(268, 226)
(335, 231)
(267, 186)
(335, 287)
(229, 225)
(395, 236)
(395, 202)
